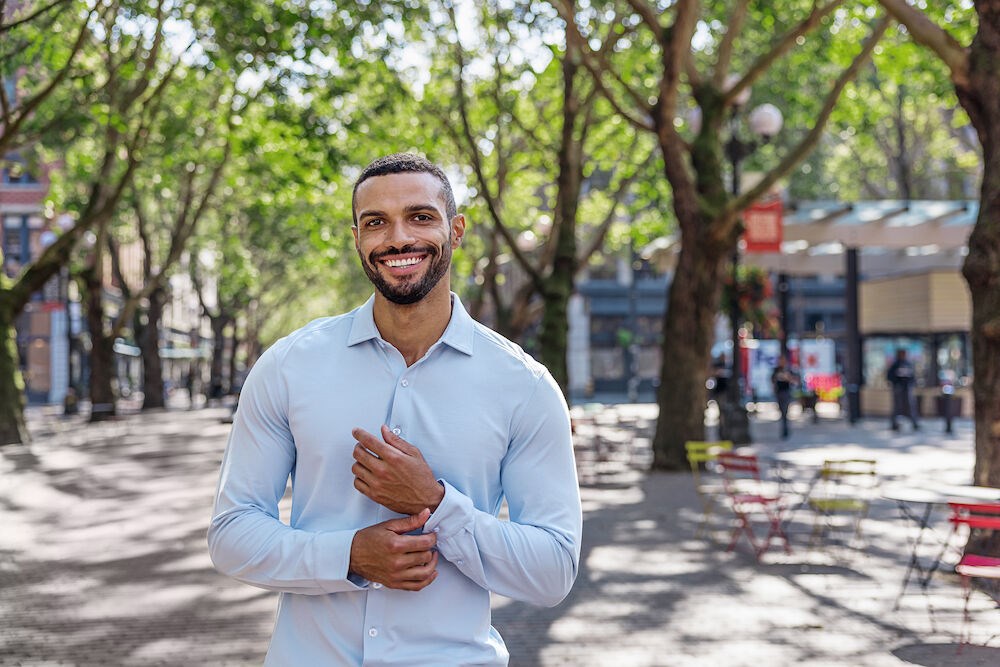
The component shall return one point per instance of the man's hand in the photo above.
(393, 473)
(384, 554)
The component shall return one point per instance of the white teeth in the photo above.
(396, 263)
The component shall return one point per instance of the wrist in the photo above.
(437, 496)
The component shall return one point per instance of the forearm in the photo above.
(523, 561)
(256, 548)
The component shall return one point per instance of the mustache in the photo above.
(429, 249)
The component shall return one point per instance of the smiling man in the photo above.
(404, 426)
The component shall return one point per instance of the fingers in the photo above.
(397, 442)
(409, 523)
(418, 577)
(371, 442)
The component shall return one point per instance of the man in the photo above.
(902, 377)
(782, 381)
(404, 425)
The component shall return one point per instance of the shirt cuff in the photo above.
(453, 514)
(335, 548)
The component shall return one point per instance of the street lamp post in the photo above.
(764, 121)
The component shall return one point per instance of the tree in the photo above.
(537, 136)
(172, 194)
(711, 72)
(973, 62)
(114, 147)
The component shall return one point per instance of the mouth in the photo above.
(402, 265)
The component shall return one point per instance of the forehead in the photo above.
(380, 192)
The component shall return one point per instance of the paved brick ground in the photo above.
(103, 560)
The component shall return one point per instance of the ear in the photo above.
(457, 230)
(354, 230)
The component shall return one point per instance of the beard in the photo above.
(411, 289)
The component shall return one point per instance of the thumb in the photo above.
(407, 523)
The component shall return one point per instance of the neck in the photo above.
(413, 328)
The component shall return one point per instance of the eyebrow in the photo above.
(411, 208)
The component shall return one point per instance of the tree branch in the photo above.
(4, 27)
(929, 34)
(27, 107)
(597, 70)
(797, 154)
(733, 28)
(597, 241)
(783, 45)
(492, 206)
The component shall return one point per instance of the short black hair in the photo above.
(402, 163)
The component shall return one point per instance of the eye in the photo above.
(423, 217)
(373, 222)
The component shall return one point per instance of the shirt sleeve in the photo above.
(246, 538)
(535, 556)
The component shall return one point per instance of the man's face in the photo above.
(404, 237)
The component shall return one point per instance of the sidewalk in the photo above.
(103, 560)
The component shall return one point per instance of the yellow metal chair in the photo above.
(701, 455)
(841, 496)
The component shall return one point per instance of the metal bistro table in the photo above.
(908, 498)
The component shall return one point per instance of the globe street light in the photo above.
(764, 122)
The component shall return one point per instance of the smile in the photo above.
(400, 263)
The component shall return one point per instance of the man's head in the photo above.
(406, 225)
(403, 163)
(901, 353)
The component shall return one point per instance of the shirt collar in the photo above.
(459, 334)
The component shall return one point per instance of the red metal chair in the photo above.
(749, 495)
(975, 516)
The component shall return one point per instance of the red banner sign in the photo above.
(762, 230)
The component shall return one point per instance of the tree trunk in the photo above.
(982, 265)
(149, 343)
(688, 331)
(558, 285)
(13, 429)
(234, 341)
(102, 368)
(216, 389)
(981, 99)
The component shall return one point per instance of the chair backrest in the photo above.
(739, 469)
(847, 469)
(979, 515)
(700, 451)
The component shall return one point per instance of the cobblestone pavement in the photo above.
(103, 559)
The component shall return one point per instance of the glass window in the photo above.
(880, 351)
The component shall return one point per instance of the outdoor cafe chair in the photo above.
(974, 516)
(702, 456)
(751, 496)
(841, 497)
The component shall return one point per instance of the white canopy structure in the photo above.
(873, 239)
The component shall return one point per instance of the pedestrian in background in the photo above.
(782, 381)
(404, 426)
(902, 377)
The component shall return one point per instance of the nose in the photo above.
(399, 234)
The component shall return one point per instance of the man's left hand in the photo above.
(393, 473)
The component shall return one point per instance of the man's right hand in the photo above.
(385, 554)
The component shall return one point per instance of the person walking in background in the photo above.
(902, 376)
(782, 381)
(404, 426)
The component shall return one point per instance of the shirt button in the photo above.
(373, 632)
(396, 430)
(376, 585)
(459, 562)
(405, 382)
(437, 530)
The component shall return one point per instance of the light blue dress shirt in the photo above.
(493, 426)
